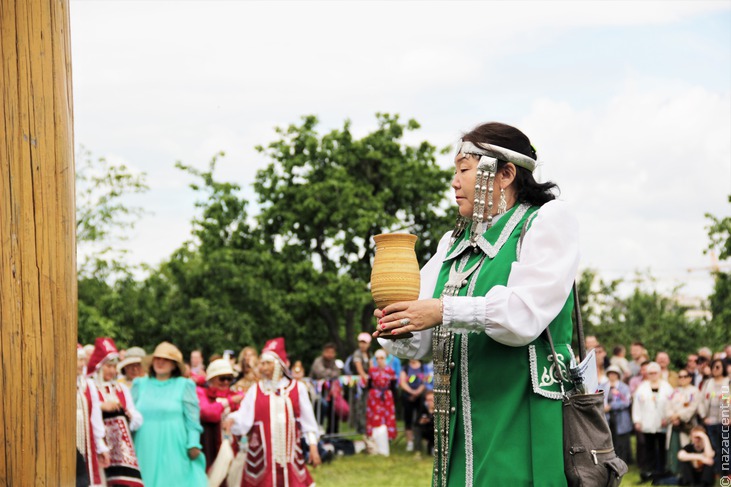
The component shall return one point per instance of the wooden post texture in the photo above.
(37, 246)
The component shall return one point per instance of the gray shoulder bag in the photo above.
(589, 457)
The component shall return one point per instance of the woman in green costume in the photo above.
(168, 442)
(487, 296)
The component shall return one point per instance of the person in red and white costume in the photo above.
(217, 401)
(89, 424)
(119, 415)
(274, 415)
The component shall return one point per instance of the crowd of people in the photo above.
(676, 416)
(156, 420)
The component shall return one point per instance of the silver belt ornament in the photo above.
(443, 347)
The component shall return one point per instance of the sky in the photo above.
(627, 103)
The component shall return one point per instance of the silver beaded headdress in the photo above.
(486, 169)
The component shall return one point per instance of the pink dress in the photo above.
(381, 408)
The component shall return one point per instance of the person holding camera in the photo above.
(697, 459)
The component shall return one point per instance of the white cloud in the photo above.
(641, 171)
(642, 160)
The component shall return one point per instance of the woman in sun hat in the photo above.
(131, 367)
(217, 401)
(168, 443)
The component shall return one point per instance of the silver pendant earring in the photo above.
(502, 206)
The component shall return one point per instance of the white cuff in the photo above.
(101, 446)
(464, 314)
(311, 438)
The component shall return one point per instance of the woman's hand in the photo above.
(193, 453)
(314, 456)
(226, 425)
(110, 406)
(421, 315)
(104, 459)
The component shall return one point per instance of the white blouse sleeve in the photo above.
(97, 423)
(419, 346)
(310, 429)
(537, 288)
(244, 416)
(136, 421)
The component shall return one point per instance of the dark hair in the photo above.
(639, 343)
(723, 366)
(618, 349)
(175, 373)
(646, 362)
(528, 190)
(329, 345)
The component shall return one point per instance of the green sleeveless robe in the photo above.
(506, 425)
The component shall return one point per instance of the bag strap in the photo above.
(579, 325)
(577, 310)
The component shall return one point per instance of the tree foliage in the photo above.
(323, 198)
(719, 236)
(300, 267)
(103, 220)
(103, 217)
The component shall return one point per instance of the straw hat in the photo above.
(219, 367)
(169, 351)
(133, 355)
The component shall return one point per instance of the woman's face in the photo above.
(266, 369)
(109, 371)
(381, 361)
(653, 375)
(463, 183)
(249, 356)
(298, 373)
(80, 363)
(717, 369)
(163, 367)
(222, 382)
(132, 371)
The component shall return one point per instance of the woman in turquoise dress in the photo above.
(168, 442)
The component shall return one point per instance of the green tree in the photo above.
(719, 235)
(323, 198)
(656, 319)
(103, 219)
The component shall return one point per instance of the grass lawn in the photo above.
(398, 470)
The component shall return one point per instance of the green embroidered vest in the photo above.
(505, 424)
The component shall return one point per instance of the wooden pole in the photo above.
(37, 246)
